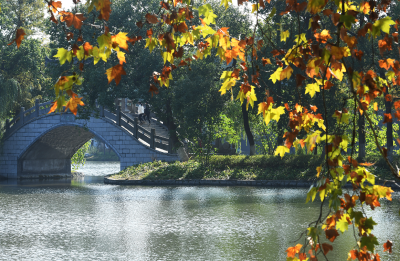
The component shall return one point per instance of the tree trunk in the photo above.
(182, 154)
(249, 135)
(389, 130)
(361, 137)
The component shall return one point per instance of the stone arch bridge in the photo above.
(40, 145)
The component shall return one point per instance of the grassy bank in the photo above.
(291, 167)
(227, 167)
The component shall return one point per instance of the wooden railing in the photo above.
(120, 119)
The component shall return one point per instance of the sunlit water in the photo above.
(85, 219)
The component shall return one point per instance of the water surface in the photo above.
(85, 219)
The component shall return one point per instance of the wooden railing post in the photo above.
(22, 115)
(152, 138)
(135, 123)
(101, 111)
(7, 124)
(119, 115)
(37, 108)
(170, 145)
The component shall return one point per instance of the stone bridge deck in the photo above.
(40, 145)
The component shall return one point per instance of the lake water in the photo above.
(85, 219)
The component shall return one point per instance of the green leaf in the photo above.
(382, 24)
(63, 55)
(369, 242)
(311, 194)
(347, 20)
(312, 88)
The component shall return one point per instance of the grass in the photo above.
(227, 168)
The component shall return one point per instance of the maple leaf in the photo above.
(331, 234)
(326, 248)
(281, 150)
(312, 88)
(286, 73)
(121, 57)
(53, 107)
(53, 5)
(265, 61)
(387, 246)
(114, 73)
(153, 89)
(315, 6)
(104, 6)
(121, 39)
(382, 24)
(73, 103)
(19, 37)
(292, 251)
(323, 36)
(387, 118)
(72, 19)
(63, 55)
(386, 63)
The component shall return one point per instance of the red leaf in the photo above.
(153, 89)
(152, 19)
(326, 248)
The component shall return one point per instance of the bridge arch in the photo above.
(42, 146)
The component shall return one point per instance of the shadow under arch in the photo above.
(49, 155)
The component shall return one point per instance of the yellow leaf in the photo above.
(284, 35)
(121, 57)
(121, 39)
(63, 55)
(281, 150)
(276, 75)
(312, 88)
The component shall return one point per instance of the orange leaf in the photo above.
(367, 164)
(152, 19)
(72, 19)
(73, 103)
(286, 73)
(328, 85)
(386, 63)
(53, 108)
(266, 61)
(19, 37)
(260, 42)
(87, 47)
(292, 251)
(387, 117)
(182, 63)
(114, 73)
(353, 254)
(53, 5)
(388, 246)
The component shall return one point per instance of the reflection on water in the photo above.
(88, 220)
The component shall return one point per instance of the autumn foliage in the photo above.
(317, 60)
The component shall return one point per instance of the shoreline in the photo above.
(224, 182)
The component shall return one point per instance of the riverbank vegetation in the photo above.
(238, 167)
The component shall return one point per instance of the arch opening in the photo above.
(50, 154)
